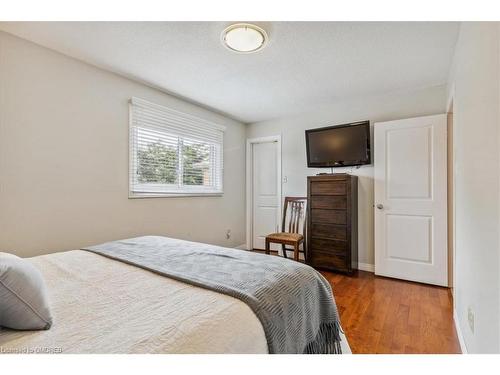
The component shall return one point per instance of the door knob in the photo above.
(380, 206)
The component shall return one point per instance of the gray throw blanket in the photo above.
(293, 302)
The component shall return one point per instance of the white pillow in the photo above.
(23, 296)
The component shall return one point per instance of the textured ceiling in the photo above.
(305, 65)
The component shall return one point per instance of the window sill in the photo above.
(167, 195)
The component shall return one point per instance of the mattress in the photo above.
(102, 305)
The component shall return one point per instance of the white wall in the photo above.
(380, 108)
(64, 160)
(474, 78)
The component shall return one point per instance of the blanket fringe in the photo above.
(327, 340)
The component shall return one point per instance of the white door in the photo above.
(410, 199)
(265, 192)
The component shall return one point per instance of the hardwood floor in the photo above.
(383, 315)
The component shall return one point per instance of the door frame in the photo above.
(249, 182)
(450, 109)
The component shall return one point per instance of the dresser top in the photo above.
(332, 176)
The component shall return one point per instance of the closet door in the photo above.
(265, 193)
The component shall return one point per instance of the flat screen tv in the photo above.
(339, 146)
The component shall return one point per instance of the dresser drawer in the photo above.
(329, 261)
(328, 246)
(320, 215)
(336, 232)
(331, 202)
(328, 188)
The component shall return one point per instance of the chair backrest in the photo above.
(294, 214)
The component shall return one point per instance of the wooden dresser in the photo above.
(332, 230)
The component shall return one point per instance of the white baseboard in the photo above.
(366, 267)
(243, 246)
(459, 332)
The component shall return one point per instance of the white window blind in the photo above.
(173, 153)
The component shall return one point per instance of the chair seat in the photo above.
(283, 236)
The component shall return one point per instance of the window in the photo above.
(172, 153)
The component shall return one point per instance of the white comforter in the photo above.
(105, 306)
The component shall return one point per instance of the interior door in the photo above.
(411, 199)
(265, 199)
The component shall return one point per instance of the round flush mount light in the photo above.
(244, 38)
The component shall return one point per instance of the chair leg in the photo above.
(296, 251)
(268, 249)
(283, 247)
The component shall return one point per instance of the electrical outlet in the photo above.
(228, 234)
(470, 318)
(285, 179)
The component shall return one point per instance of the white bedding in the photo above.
(101, 305)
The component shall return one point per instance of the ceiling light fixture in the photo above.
(244, 38)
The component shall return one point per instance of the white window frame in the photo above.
(188, 191)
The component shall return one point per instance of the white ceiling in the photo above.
(305, 65)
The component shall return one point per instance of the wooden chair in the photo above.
(289, 235)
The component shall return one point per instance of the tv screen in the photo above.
(339, 146)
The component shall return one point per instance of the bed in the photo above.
(101, 305)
